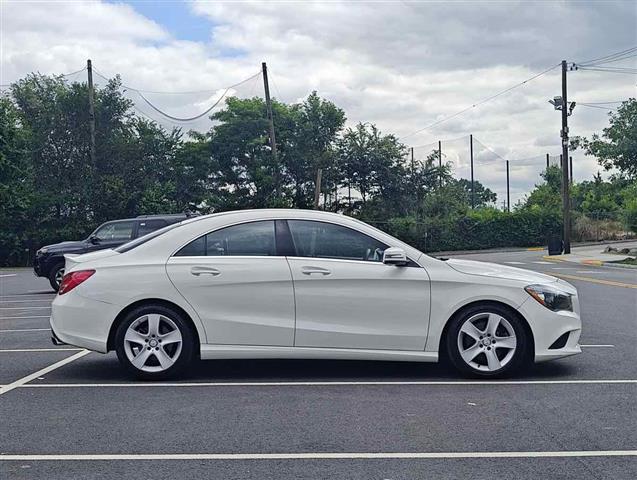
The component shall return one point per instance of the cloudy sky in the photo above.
(402, 65)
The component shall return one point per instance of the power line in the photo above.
(626, 70)
(485, 100)
(595, 106)
(610, 56)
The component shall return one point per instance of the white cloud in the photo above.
(401, 65)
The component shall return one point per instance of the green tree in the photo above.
(616, 147)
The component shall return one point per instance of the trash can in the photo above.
(555, 244)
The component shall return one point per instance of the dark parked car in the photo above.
(49, 260)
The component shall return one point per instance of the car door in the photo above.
(239, 286)
(111, 235)
(347, 298)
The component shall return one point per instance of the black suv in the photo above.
(49, 260)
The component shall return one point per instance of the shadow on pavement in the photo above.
(97, 368)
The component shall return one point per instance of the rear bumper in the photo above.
(82, 322)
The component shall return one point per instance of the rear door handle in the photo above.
(318, 270)
(196, 271)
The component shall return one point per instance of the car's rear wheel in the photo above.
(56, 275)
(154, 342)
(487, 341)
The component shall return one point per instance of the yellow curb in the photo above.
(597, 263)
(594, 280)
(551, 258)
(535, 249)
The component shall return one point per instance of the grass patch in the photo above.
(628, 261)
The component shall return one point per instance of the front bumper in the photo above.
(549, 327)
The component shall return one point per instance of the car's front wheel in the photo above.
(154, 342)
(487, 341)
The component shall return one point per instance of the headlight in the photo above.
(42, 251)
(551, 297)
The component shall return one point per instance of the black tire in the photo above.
(53, 275)
(184, 358)
(521, 353)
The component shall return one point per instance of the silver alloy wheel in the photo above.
(59, 275)
(486, 341)
(153, 343)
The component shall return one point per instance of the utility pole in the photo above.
(268, 104)
(91, 109)
(317, 188)
(547, 161)
(566, 202)
(473, 190)
(439, 163)
(508, 190)
(570, 167)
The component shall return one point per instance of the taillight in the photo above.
(73, 279)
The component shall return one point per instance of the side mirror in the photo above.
(94, 239)
(395, 256)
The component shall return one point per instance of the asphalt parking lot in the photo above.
(66, 413)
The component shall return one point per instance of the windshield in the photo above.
(141, 240)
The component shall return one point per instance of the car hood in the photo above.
(71, 246)
(485, 269)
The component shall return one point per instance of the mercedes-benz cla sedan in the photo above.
(306, 284)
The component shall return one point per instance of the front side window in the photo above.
(117, 231)
(326, 240)
(246, 239)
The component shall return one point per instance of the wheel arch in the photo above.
(442, 351)
(110, 343)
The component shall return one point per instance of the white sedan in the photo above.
(306, 284)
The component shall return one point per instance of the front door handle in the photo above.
(196, 271)
(318, 270)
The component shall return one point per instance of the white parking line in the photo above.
(42, 372)
(36, 316)
(8, 275)
(22, 350)
(544, 263)
(515, 263)
(319, 455)
(330, 384)
(597, 346)
(26, 330)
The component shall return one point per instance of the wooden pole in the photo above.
(547, 161)
(566, 203)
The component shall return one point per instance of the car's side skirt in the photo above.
(209, 351)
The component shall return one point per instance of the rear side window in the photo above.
(147, 226)
(327, 240)
(246, 239)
